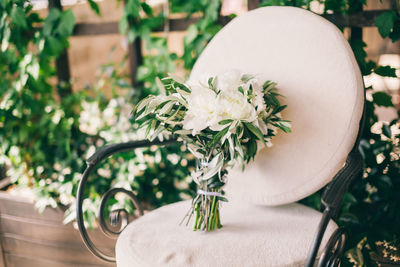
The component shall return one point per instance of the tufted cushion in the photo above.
(315, 69)
(251, 236)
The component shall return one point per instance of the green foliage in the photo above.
(155, 65)
(39, 134)
(389, 25)
(200, 33)
(386, 71)
(133, 25)
(298, 3)
(382, 99)
(42, 142)
(94, 6)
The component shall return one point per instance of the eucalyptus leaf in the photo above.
(256, 131)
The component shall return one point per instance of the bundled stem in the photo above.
(206, 212)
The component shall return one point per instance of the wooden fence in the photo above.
(355, 21)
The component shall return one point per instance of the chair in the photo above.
(317, 73)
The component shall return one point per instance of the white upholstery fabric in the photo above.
(251, 236)
(315, 69)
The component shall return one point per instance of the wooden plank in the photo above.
(2, 256)
(55, 4)
(72, 254)
(87, 29)
(360, 19)
(253, 4)
(23, 261)
(23, 207)
(22, 226)
(55, 232)
(176, 25)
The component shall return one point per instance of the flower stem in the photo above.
(196, 216)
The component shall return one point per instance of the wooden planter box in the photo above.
(30, 239)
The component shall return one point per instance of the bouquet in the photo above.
(221, 120)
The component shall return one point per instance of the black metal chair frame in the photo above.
(331, 202)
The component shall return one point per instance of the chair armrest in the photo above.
(331, 201)
(117, 215)
(334, 191)
(111, 149)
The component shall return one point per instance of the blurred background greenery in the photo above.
(48, 128)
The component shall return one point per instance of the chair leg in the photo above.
(334, 249)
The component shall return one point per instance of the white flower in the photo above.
(207, 108)
(233, 105)
(201, 109)
(229, 80)
(90, 118)
(258, 100)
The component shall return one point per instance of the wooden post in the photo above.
(252, 4)
(135, 59)
(356, 32)
(2, 261)
(62, 62)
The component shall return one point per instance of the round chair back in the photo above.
(315, 69)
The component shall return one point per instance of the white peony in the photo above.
(229, 80)
(201, 109)
(207, 108)
(233, 105)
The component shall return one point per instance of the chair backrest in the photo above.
(316, 71)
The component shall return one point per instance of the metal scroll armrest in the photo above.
(331, 201)
(116, 215)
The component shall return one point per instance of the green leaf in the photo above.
(123, 25)
(94, 6)
(279, 109)
(386, 71)
(395, 34)
(132, 7)
(147, 9)
(358, 47)
(218, 136)
(385, 22)
(223, 199)
(191, 34)
(18, 17)
(285, 126)
(257, 132)
(50, 21)
(251, 149)
(54, 45)
(132, 35)
(67, 23)
(386, 130)
(223, 122)
(382, 99)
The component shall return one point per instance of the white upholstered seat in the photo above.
(252, 236)
(315, 69)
